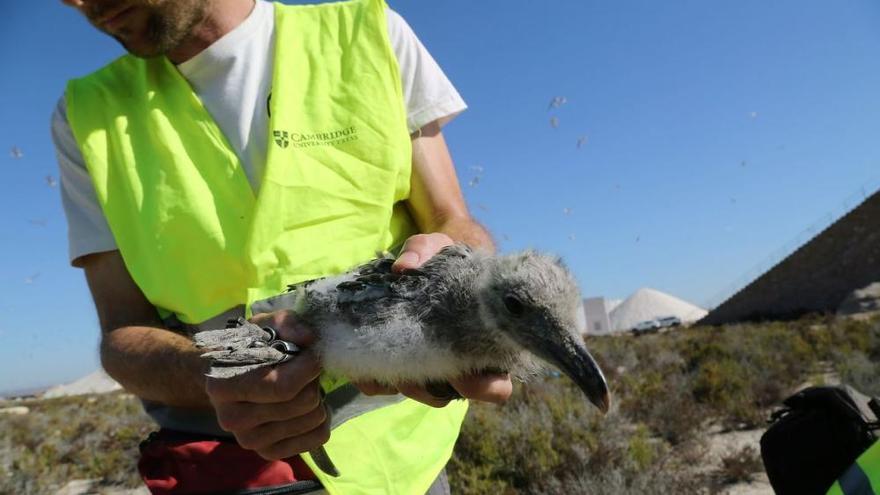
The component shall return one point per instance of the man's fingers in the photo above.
(486, 387)
(268, 384)
(268, 434)
(285, 322)
(239, 416)
(418, 392)
(375, 388)
(297, 445)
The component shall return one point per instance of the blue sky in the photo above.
(717, 132)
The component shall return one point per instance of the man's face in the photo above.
(144, 27)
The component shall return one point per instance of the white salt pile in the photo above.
(648, 304)
(97, 382)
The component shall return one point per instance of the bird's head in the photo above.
(533, 300)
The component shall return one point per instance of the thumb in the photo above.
(407, 260)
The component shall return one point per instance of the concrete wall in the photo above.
(816, 277)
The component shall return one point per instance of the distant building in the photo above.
(597, 310)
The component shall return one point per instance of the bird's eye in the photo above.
(514, 305)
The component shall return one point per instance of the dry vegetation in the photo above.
(669, 390)
(72, 438)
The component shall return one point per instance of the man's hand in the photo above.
(487, 387)
(276, 411)
(420, 248)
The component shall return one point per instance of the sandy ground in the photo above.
(723, 443)
(758, 487)
(90, 487)
(734, 441)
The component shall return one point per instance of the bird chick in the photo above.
(462, 312)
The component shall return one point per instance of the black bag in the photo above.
(816, 437)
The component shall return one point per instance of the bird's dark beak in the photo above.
(574, 360)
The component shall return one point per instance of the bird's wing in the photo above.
(373, 289)
(376, 280)
(376, 283)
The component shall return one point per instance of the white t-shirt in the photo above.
(232, 78)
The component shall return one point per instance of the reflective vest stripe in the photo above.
(870, 463)
(862, 477)
(855, 482)
(347, 402)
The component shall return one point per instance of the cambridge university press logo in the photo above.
(282, 138)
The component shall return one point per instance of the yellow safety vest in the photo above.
(198, 241)
(863, 477)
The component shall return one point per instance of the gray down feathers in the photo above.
(463, 311)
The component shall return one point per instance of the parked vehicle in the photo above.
(669, 321)
(647, 326)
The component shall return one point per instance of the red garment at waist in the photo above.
(179, 463)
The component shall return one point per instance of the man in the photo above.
(242, 147)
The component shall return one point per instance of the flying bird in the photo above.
(474, 181)
(557, 102)
(30, 280)
(554, 122)
(464, 311)
(581, 141)
(16, 153)
(50, 181)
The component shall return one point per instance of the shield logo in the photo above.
(282, 139)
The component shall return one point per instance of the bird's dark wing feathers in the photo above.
(379, 265)
(376, 281)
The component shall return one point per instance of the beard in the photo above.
(158, 26)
